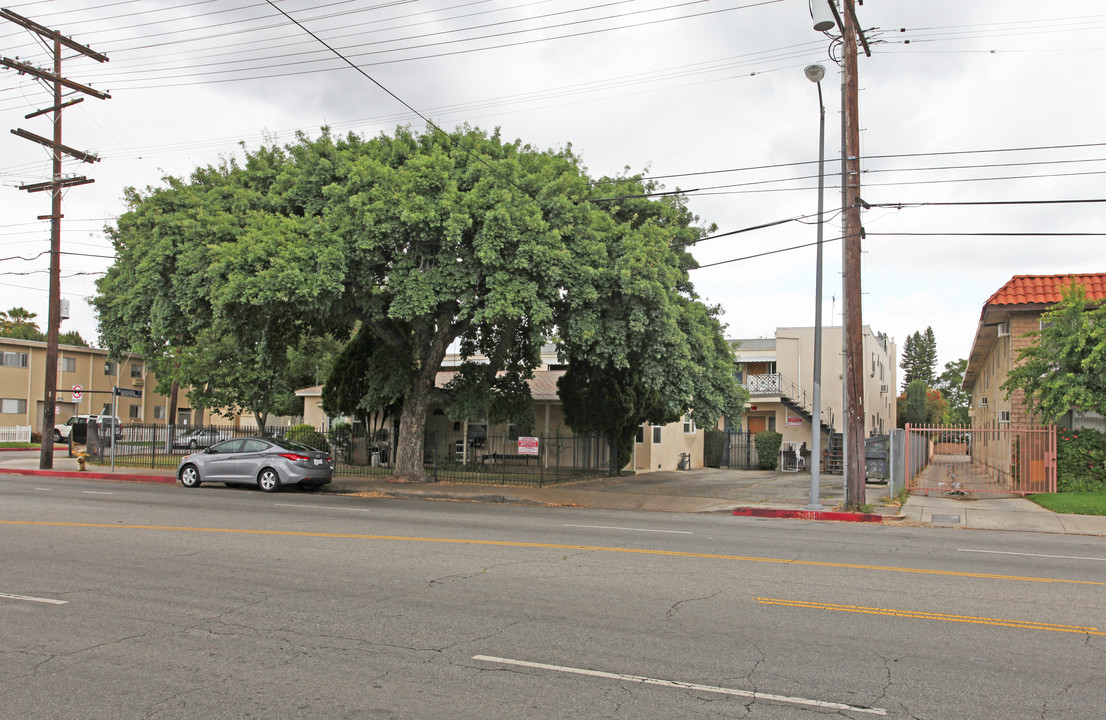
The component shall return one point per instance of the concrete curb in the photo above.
(128, 477)
(36, 448)
(808, 514)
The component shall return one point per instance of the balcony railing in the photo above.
(777, 384)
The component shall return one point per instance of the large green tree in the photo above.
(950, 385)
(640, 346)
(919, 358)
(1065, 367)
(210, 286)
(409, 244)
(19, 323)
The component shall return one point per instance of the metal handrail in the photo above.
(778, 384)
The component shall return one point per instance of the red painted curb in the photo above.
(163, 479)
(808, 514)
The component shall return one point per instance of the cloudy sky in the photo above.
(971, 102)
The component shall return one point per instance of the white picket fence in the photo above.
(19, 433)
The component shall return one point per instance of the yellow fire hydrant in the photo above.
(82, 458)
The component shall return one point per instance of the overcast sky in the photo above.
(671, 87)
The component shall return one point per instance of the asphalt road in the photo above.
(144, 601)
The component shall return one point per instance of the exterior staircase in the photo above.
(835, 455)
(791, 394)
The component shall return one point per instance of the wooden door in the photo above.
(757, 424)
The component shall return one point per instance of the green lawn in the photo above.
(19, 445)
(1073, 503)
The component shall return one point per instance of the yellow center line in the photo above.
(924, 615)
(556, 546)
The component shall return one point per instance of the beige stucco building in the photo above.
(86, 377)
(778, 372)
(1012, 311)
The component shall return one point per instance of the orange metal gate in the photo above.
(962, 461)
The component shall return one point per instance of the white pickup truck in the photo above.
(63, 430)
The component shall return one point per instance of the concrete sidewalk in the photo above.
(694, 491)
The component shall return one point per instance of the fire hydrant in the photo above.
(82, 458)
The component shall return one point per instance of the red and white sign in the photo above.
(527, 446)
(78, 391)
(793, 421)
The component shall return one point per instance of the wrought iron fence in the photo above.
(496, 459)
(731, 449)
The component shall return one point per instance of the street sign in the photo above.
(128, 393)
(78, 391)
(527, 446)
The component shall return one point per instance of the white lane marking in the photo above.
(323, 507)
(96, 492)
(683, 685)
(28, 598)
(610, 527)
(46, 489)
(1003, 552)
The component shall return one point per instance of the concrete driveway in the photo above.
(741, 486)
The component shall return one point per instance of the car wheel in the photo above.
(190, 476)
(192, 445)
(57, 436)
(268, 480)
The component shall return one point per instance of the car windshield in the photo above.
(286, 444)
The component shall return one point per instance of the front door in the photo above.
(757, 424)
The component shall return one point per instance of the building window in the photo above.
(15, 359)
(13, 406)
(689, 425)
(657, 434)
(109, 367)
(135, 412)
(159, 412)
(640, 439)
(106, 410)
(68, 364)
(136, 370)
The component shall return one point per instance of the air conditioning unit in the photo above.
(982, 402)
(1004, 416)
(884, 388)
(1004, 329)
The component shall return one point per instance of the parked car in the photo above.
(268, 462)
(199, 438)
(62, 431)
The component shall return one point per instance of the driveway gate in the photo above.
(962, 461)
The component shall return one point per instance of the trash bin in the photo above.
(374, 460)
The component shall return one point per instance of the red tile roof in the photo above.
(1046, 289)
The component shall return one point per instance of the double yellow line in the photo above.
(555, 546)
(919, 615)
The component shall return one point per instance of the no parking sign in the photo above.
(78, 391)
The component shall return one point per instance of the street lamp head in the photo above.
(815, 73)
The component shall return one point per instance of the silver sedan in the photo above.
(267, 462)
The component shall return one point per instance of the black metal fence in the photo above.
(731, 449)
(496, 459)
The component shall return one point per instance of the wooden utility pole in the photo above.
(854, 333)
(56, 184)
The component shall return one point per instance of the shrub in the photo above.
(340, 437)
(768, 449)
(308, 436)
(1080, 460)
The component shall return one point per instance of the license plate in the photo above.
(318, 461)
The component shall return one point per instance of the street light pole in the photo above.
(815, 73)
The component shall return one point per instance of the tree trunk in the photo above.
(410, 449)
(260, 418)
(171, 421)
